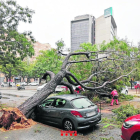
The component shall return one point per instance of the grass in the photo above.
(3, 106)
(37, 130)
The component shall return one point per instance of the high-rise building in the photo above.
(86, 28)
(82, 30)
(105, 27)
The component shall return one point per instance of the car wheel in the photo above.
(68, 125)
(33, 116)
(126, 92)
(136, 136)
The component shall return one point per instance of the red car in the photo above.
(131, 128)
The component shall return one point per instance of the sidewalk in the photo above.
(38, 132)
(133, 92)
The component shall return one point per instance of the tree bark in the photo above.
(27, 107)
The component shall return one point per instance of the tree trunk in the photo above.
(28, 106)
(9, 78)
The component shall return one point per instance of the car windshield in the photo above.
(82, 103)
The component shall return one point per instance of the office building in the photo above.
(87, 28)
(82, 30)
(105, 27)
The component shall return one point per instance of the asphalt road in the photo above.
(14, 97)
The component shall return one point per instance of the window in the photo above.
(48, 102)
(60, 103)
(82, 103)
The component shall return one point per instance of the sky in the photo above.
(52, 19)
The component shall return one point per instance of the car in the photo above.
(124, 90)
(59, 88)
(6, 84)
(131, 128)
(70, 111)
(0, 95)
(34, 83)
(23, 84)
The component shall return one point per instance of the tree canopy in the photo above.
(14, 46)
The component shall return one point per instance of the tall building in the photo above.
(86, 28)
(82, 30)
(105, 27)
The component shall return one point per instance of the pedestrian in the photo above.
(114, 94)
(78, 89)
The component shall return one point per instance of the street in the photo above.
(13, 98)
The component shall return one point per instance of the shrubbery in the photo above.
(123, 97)
(64, 92)
(125, 111)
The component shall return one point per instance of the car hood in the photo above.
(133, 118)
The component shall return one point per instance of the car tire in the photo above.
(68, 125)
(136, 136)
(33, 116)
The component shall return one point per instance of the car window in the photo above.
(59, 103)
(48, 102)
(82, 103)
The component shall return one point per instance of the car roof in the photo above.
(68, 96)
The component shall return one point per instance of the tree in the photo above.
(47, 60)
(14, 46)
(60, 45)
(107, 62)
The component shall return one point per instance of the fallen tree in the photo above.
(65, 77)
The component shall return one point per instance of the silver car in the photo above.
(72, 112)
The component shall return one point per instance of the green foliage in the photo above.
(64, 92)
(60, 45)
(14, 46)
(123, 97)
(96, 99)
(48, 60)
(125, 111)
(3, 106)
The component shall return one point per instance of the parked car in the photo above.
(6, 84)
(70, 111)
(131, 128)
(0, 95)
(59, 88)
(34, 84)
(21, 84)
(124, 90)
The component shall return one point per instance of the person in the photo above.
(114, 94)
(78, 89)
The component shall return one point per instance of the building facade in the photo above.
(105, 27)
(82, 30)
(86, 29)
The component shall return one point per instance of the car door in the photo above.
(45, 110)
(59, 110)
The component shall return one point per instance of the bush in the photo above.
(96, 99)
(125, 111)
(108, 100)
(123, 97)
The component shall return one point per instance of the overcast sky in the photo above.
(51, 20)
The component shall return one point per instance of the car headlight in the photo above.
(129, 124)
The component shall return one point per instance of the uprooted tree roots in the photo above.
(12, 118)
